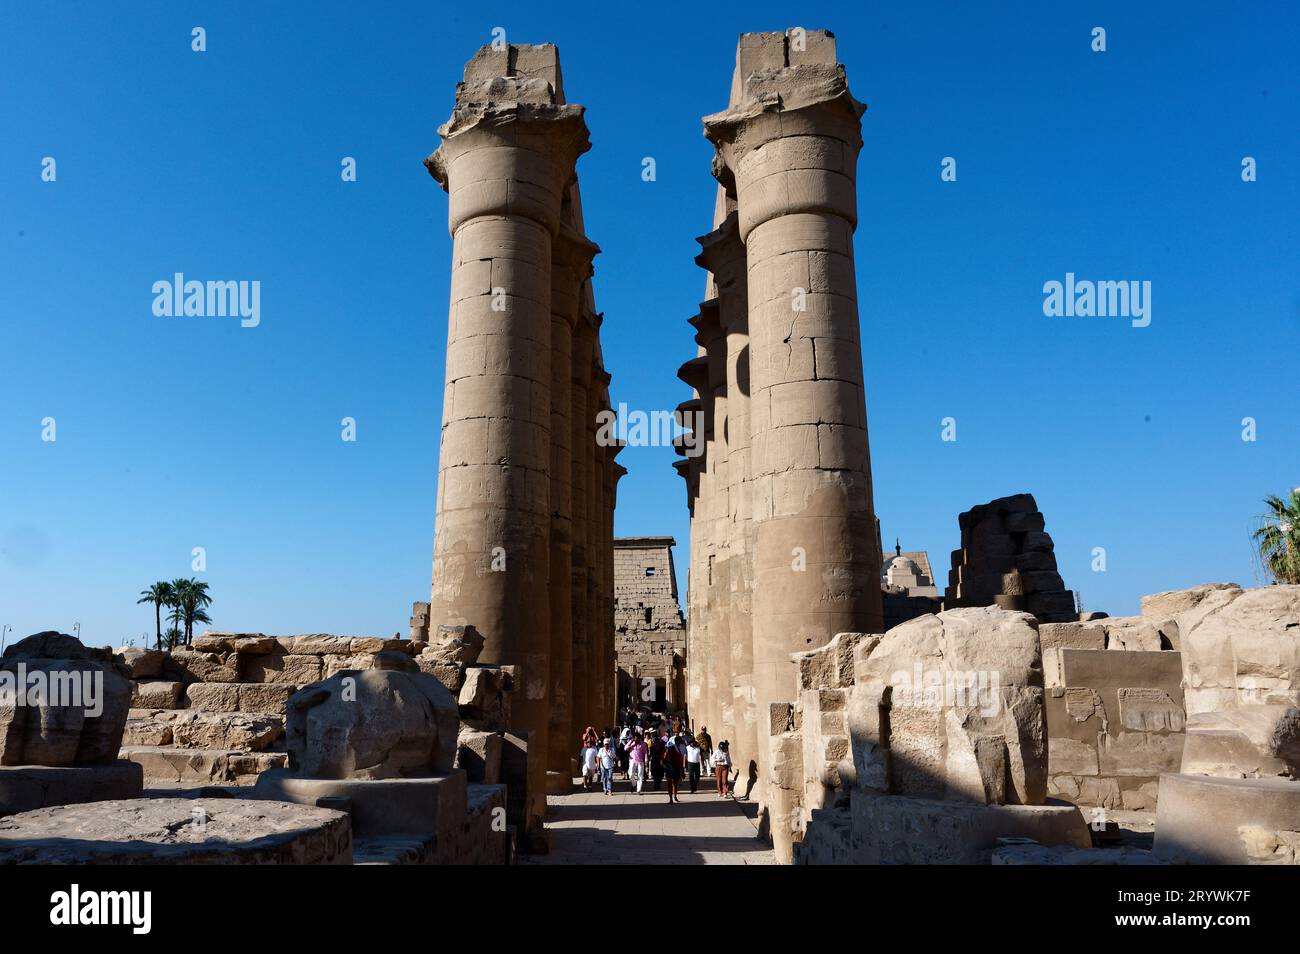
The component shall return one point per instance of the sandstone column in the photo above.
(507, 157)
(570, 268)
(583, 410)
(723, 254)
(788, 148)
(598, 463)
(714, 524)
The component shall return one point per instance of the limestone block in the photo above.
(24, 788)
(263, 698)
(938, 698)
(148, 727)
(892, 829)
(1142, 798)
(322, 645)
(479, 754)
(249, 644)
(394, 660)
(235, 730)
(1173, 603)
(143, 663)
(1226, 821)
(79, 714)
(1252, 741)
(1139, 753)
(450, 674)
(195, 666)
(1071, 757)
(374, 724)
(165, 831)
(1242, 647)
(831, 666)
(457, 644)
(212, 697)
(1267, 846)
(297, 669)
(1071, 636)
(484, 699)
(1150, 710)
(157, 694)
(1101, 792)
(1131, 633)
(374, 644)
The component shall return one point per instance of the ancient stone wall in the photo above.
(1115, 716)
(650, 632)
(1007, 558)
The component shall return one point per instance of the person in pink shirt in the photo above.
(638, 753)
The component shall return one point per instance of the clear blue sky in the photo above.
(176, 433)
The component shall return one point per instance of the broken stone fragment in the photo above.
(372, 724)
(81, 715)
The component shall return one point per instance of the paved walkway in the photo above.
(626, 828)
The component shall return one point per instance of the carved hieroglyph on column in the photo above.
(787, 151)
(507, 161)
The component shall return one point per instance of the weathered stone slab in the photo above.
(177, 831)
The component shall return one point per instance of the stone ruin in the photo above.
(1006, 558)
(650, 632)
(779, 467)
(526, 485)
(1094, 714)
(875, 721)
(63, 709)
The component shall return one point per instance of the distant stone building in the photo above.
(649, 630)
(907, 586)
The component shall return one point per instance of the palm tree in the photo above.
(192, 600)
(1278, 537)
(160, 595)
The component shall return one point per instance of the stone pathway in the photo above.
(630, 829)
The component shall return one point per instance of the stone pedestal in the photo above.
(387, 806)
(24, 788)
(178, 831)
(1202, 820)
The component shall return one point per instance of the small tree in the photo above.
(160, 595)
(1278, 537)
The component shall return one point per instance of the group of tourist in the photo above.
(644, 749)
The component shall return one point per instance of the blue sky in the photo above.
(176, 433)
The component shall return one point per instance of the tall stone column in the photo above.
(507, 157)
(715, 520)
(571, 259)
(584, 413)
(723, 254)
(609, 664)
(788, 146)
(598, 463)
(690, 445)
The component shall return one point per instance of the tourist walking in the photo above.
(590, 766)
(722, 766)
(705, 742)
(657, 760)
(672, 768)
(694, 756)
(638, 753)
(607, 763)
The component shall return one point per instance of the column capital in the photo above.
(790, 144)
(512, 142)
